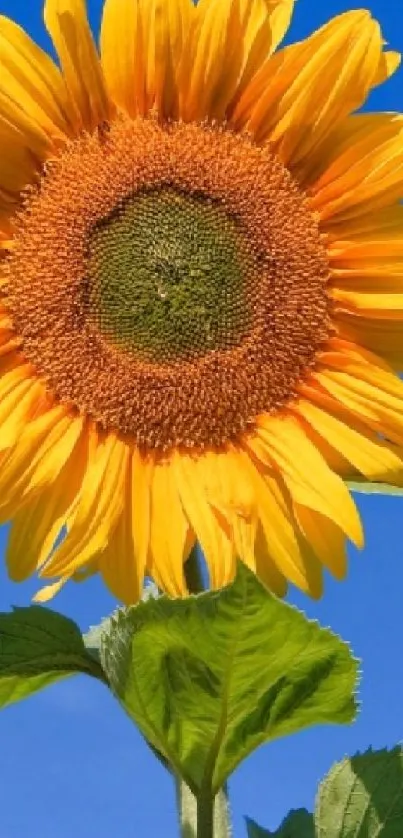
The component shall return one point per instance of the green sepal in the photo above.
(209, 678)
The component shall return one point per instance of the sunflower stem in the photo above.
(203, 817)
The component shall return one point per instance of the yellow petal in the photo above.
(390, 387)
(19, 164)
(21, 403)
(368, 226)
(144, 47)
(368, 281)
(370, 455)
(230, 494)
(8, 206)
(362, 255)
(5, 242)
(319, 100)
(389, 63)
(352, 139)
(293, 90)
(28, 133)
(49, 591)
(5, 320)
(83, 573)
(97, 511)
(280, 13)
(212, 530)
(67, 24)
(232, 40)
(215, 66)
(225, 491)
(263, 26)
(123, 561)
(123, 54)
(378, 402)
(119, 567)
(142, 469)
(326, 538)
(288, 551)
(265, 568)
(168, 61)
(307, 476)
(244, 534)
(31, 79)
(365, 174)
(8, 343)
(237, 501)
(60, 443)
(19, 396)
(37, 457)
(38, 524)
(336, 461)
(387, 306)
(340, 353)
(169, 537)
(384, 337)
(9, 381)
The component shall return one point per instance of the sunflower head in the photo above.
(200, 313)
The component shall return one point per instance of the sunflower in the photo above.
(201, 312)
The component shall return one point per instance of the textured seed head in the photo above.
(169, 281)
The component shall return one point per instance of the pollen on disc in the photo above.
(170, 281)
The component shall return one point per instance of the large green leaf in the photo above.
(298, 824)
(37, 647)
(362, 797)
(210, 678)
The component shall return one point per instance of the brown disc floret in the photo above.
(169, 280)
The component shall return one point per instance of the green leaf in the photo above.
(365, 488)
(37, 647)
(211, 677)
(362, 797)
(298, 824)
(92, 638)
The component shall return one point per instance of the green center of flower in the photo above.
(167, 275)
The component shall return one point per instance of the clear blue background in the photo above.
(72, 764)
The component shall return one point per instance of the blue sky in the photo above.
(72, 762)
